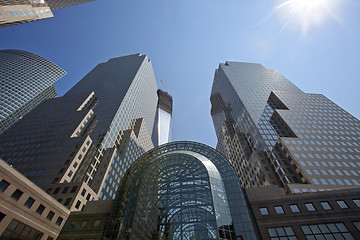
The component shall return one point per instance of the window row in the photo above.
(29, 203)
(310, 207)
(28, 12)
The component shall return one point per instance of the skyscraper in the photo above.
(274, 133)
(26, 80)
(57, 4)
(162, 124)
(14, 12)
(78, 147)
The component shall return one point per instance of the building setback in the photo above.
(78, 147)
(275, 134)
(26, 80)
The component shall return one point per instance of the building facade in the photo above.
(13, 12)
(316, 215)
(27, 211)
(78, 147)
(26, 80)
(57, 4)
(275, 134)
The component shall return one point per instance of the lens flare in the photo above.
(306, 14)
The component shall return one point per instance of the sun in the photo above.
(306, 14)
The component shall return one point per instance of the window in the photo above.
(294, 208)
(279, 210)
(327, 231)
(22, 13)
(357, 202)
(3, 185)
(70, 173)
(264, 211)
(40, 209)
(342, 204)
(83, 192)
(96, 223)
(310, 207)
(65, 189)
(84, 224)
(13, 13)
(29, 12)
(282, 232)
(326, 205)
(73, 189)
(357, 225)
(17, 230)
(50, 215)
(57, 190)
(17, 194)
(3, 215)
(67, 201)
(77, 204)
(59, 221)
(29, 202)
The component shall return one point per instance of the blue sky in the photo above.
(186, 40)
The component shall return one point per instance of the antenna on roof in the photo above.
(162, 83)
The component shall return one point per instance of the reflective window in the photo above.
(3, 185)
(279, 210)
(326, 205)
(22, 13)
(342, 204)
(294, 208)
(29, 12)
(19, 230)
(264, 211)
(357, 202)
(13, 13)
(310, 207)
(17, 194)
(283, 232)
(327, 231)
(29, 202)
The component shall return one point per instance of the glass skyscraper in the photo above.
(78, 147)
(26, 80)
(274, 133)
(162, 124)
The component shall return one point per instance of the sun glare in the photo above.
(306, 14)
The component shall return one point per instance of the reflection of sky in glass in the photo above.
(164, 127)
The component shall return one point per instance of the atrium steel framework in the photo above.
(180, 190)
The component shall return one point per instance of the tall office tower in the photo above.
(26, 80)
(78, 147)
(162, 123)
(57, 4)
(14, 12)
(274, 133)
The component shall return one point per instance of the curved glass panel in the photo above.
(180, 190)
